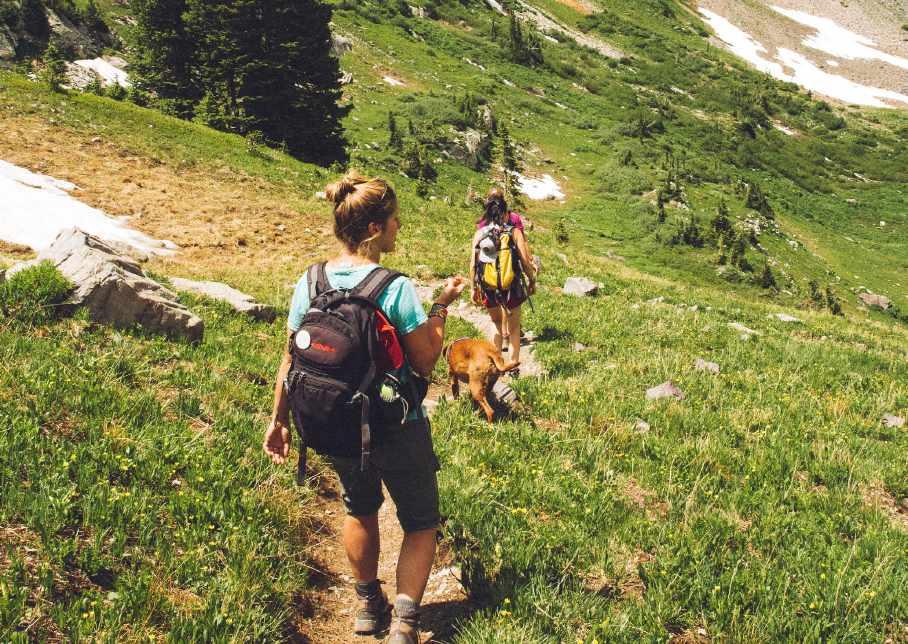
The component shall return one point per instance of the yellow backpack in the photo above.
(496, 259)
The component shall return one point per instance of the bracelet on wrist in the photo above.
(439, 310)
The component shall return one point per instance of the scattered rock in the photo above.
(562, 257)
(641, 426)
(874, 300)
(340, 45)
(7, 43)
(321, 195)
(470, 146)
(893, 421)
(784, 317)
(580, 287)
(703, 365)
(239, 301)
(737, 326)
(665, 390)
(114, 289)
(656, 300)
(579, 348)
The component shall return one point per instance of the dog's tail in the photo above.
(501, 365)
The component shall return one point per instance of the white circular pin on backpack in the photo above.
(303, 340)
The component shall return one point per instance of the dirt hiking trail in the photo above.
(326, 611)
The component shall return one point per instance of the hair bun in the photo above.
(339, 191)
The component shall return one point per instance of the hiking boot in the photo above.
(374, 614)
(404, 637)
(406, 626)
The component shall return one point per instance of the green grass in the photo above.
(751, 509)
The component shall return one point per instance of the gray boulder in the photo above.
(872, 299)
(580, 287)
(704, 365)
(893, 421)
(340, 45)
(114, 289)
(239, 301)
(665, 390)
(72, 37)
(785, 317)
(7, 43)
(469, 146)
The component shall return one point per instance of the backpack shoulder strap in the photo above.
(374, 284)
(317, 279)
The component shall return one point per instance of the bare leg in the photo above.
(497, 316)
(514, 333)
(417, 552)
(362, 543)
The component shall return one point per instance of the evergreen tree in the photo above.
(244, 66)
(395, 138)
(34, 20)
(523, 49)
(510, 163)
(832, 302)
(91, 16)
(54, 66)
(767, 279)
(758, 201)
(165, 55)
(721, 223)
(816, 297)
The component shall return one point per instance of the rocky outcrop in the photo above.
(72, 38)
(8, 43)
(873, 300)
(114, 289)
(237, 300)
(340, 45)
(580, 287)
(665, 390)
(470, 146)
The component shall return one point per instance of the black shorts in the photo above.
(405, 460)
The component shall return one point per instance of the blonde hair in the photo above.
(359, 202)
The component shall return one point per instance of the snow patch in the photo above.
(540, 189)
(390, 80)
(804, 72)
(838, 41)
(497, 7)
(109, 74)
(37, 207)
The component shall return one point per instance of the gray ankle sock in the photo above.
(407, 611)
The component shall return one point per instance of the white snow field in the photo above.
(34, 208)
(838, 41)
(108, 73)
(539, 189)
(803, 71)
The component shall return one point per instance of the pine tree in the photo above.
(721, 223)
(91, 16)
(767, 279)
(832, 302)
(34, 20)
(395, 138)
(510, 163)
(165, 55)
(54, 66)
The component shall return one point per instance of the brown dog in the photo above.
(479, 363)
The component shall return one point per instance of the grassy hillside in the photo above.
(767, 505)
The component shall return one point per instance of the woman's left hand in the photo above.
(277, 442)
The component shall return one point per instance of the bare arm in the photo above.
(277, 436)
(523, 250)
(422, 346)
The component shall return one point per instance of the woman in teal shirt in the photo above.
(366, 223)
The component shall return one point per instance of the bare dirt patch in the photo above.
(875, 495)
(220, 218)
(580, 6)
(645, 500)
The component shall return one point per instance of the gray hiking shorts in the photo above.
(405, 460)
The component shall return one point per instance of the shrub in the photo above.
(832, 301)
(33, 296)
(561, 231)
(767, 279)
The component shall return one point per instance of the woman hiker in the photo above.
(366, 223)
(503, 306)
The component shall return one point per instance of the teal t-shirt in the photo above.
(399, 301)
